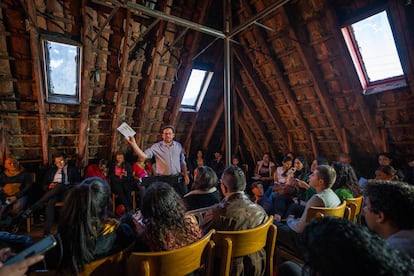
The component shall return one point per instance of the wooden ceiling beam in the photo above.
(147, 81)
(282, 83)
(312, 68)
(190, 49)
(37, 81)
(120, 84)
(217, 115)
(251, 109)
(367, 117)
(254, 146)
(262, 95)
(87, 93)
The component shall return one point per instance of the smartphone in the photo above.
(38, 248)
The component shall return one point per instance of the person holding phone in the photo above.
(19, 268)
(86, 230)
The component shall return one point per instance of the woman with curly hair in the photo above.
(164, 225)
(346, 184)
(86, 231)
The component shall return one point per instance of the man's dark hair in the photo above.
(236, 180)
(168, 126)
(394, 199)
(329, 243)
(59, 154)
(328, 174)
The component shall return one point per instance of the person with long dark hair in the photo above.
(164, 224)
(86, 230)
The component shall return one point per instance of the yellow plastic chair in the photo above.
(230, 244)
(320, 212)
(176, 262)
(355, 204)
(200, 213)
(114, 264)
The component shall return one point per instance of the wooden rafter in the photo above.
(319, 86)
(37, 83)
(262, 94)
(251, 109)
(192, 40)
(86, 93)
(217, 115)
(121, 82)
(367, 117)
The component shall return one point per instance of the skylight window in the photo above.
(374, 53)
(61, 71)
(196, 89)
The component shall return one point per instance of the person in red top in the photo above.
(98, 170)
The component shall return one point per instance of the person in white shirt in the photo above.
(321, 179)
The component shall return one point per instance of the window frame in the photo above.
(53, 97)
(201, 93)
(370, 87)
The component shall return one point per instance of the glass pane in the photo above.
(193, 88)
(376, 44)
(61, 64)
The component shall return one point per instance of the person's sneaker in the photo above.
(27, 213)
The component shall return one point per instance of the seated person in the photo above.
(285, 194)
(86, 231)
(237, 212)
(387, 159)
(259, 198)
(280, 175)
(335, 246)
(56, 182)
(164, 225)
(389, 211)
(385, 172)
(98, 170)
(346, 184)
(204, 191)
(264, 171)
(15, 184)
(120, 175)
(321, 179)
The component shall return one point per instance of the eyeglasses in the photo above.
(60, 162)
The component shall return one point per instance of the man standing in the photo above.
(237, 212)
(56, 183)
(389, 211)
(169, 159)
(321, 179)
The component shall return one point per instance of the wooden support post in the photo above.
(345, 141)
(37, 81)
(314, 148)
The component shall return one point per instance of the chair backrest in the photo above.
(199, 213)
(356, 206)
(114, 264)
(320, 212)
(230, 244)
(180, 261)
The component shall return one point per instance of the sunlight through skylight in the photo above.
(193, 87)
(377, 47)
